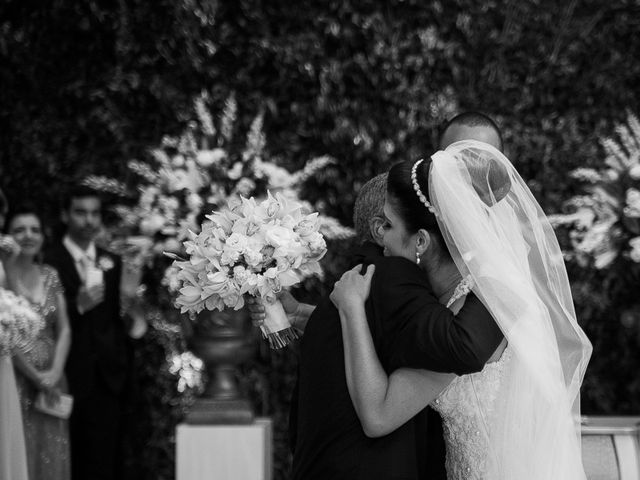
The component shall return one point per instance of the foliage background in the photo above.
(86, 86)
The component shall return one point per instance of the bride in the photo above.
(470, 222)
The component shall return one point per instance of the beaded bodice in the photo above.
(40, 352)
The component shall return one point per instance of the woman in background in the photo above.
(41, 366)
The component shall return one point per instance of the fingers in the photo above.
(371, 269)
(256, 311)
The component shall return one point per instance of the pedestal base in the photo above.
(224, 452)
(225, 412)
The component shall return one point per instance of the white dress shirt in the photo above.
(85, 262)
(80, 257)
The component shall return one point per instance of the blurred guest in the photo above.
(13, 458)
(40, 366)
(98, 364)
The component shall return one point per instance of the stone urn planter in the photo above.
(223, 340)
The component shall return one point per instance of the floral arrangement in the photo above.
(19, 323)
(199, 171)
(254, 249)
(604, 223)
(202, 169)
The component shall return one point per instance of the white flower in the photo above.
(253, 257)
(236, 241)
(634, 254)
(207, 158)
(19, 323)
(152, 224)
(236, 172)
(105, 263)
(194, 202)
(633, 203)
(240, 274)
(634, 172)
(279, 236)
(307, 225)
(245, 186)
(316, 242)
(177, 161)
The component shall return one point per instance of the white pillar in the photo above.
(224, 452)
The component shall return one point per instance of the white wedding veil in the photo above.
(497, 233)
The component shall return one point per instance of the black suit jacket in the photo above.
(409, 328)
(98, 356)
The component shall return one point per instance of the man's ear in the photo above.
(64, 216)
(423, 241)
(375, 227)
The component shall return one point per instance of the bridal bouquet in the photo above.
(19, 323)
(255, 249)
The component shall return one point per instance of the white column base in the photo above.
(224, 452)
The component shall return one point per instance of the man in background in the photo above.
(100, 356)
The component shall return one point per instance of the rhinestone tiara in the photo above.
(416, 187)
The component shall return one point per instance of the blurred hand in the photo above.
(47, 381)
(131, 278)
(9, 248)
(136, 312)
(89, 298)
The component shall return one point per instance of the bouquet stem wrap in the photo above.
(276, 327)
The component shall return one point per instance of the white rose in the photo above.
(240, 274)
(236, 241)
(229, 256)
(279, 236)
(217, 283)
(253, 257)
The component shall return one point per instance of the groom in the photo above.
(409, 328)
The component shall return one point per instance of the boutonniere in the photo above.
(105, 263)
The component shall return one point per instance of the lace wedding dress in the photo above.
(467, 409)
(519, 417)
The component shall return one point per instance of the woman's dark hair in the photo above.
(405, 200)
(19, 210)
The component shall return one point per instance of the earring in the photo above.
(417, 257)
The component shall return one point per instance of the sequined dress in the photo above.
(467, 408)
(46, 436)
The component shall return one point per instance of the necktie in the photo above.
(85, 266)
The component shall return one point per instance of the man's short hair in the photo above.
(78, 191)
(369, 203)
(472, 119)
